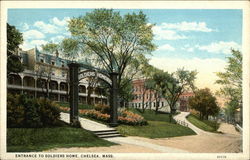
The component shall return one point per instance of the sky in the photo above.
(196, 39)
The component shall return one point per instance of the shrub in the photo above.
(49, 112)
(95, 114)
(105, 109)
(30, 113)
(126, 117)
(15, 112)
(131, 118)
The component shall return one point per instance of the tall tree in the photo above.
(231, 80)
(176, 84)
(205, 103)
(112, 38)
(14, 39)
(156, 85)
(50, 48)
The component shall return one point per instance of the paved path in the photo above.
(94, 126)
(182, 117)
(87, 124)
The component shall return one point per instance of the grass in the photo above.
(39, 139)
(205, 125)
(158, 126)
(80, 106)
(150, 115)
(155, 129)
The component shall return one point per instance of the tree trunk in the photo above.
(89, 96)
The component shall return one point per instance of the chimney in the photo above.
(57, 53)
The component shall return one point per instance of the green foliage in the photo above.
(231, 81)
(155, 129)
(32, 113)
(205, 125)
(50, 48)
(48, 112)
(39, 139)
(177, 83)
(81, 106)
(71, 48)
(113, 40)
(205, 103)
(14, 39)
(149, 115)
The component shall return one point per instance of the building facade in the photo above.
(47, 74)
(147, 98)
(183, 101)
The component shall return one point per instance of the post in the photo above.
(73, 94)
(113, 100)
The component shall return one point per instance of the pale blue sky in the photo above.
(196, 39)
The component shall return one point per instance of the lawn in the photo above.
(158, 126)
(205, 125)
(150, 115)
(80, 106)
(155, 129)
(39, 139)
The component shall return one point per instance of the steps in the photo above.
(107, 133)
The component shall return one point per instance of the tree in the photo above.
(114, 39)
(205, 103)
(44, 71)
(176, 84)
(14, 39)
(156, 85)
(50, 48)
(231, 81)
(44, 75)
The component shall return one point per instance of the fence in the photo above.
(183, 123)
(238, 128)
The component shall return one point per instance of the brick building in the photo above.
(148, 98)
(183, 101)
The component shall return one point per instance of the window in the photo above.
(41, 60)
(63, 74)
(53, 63)
(62, 63)
(162, 103)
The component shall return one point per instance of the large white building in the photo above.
(45, 70)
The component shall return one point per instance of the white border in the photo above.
(244, 5)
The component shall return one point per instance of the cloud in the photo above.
(33, 34)
(188, 48)
(166, 47)
(164, 34)
(58, 22)
(188, 26)
(32, 44)
(57, 39)
(55, 26)
(24, 26)
(206, 75)
(220, 47)
(46, 28)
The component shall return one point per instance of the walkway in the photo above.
(204, 142)
(127, 141)
(182, 117)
